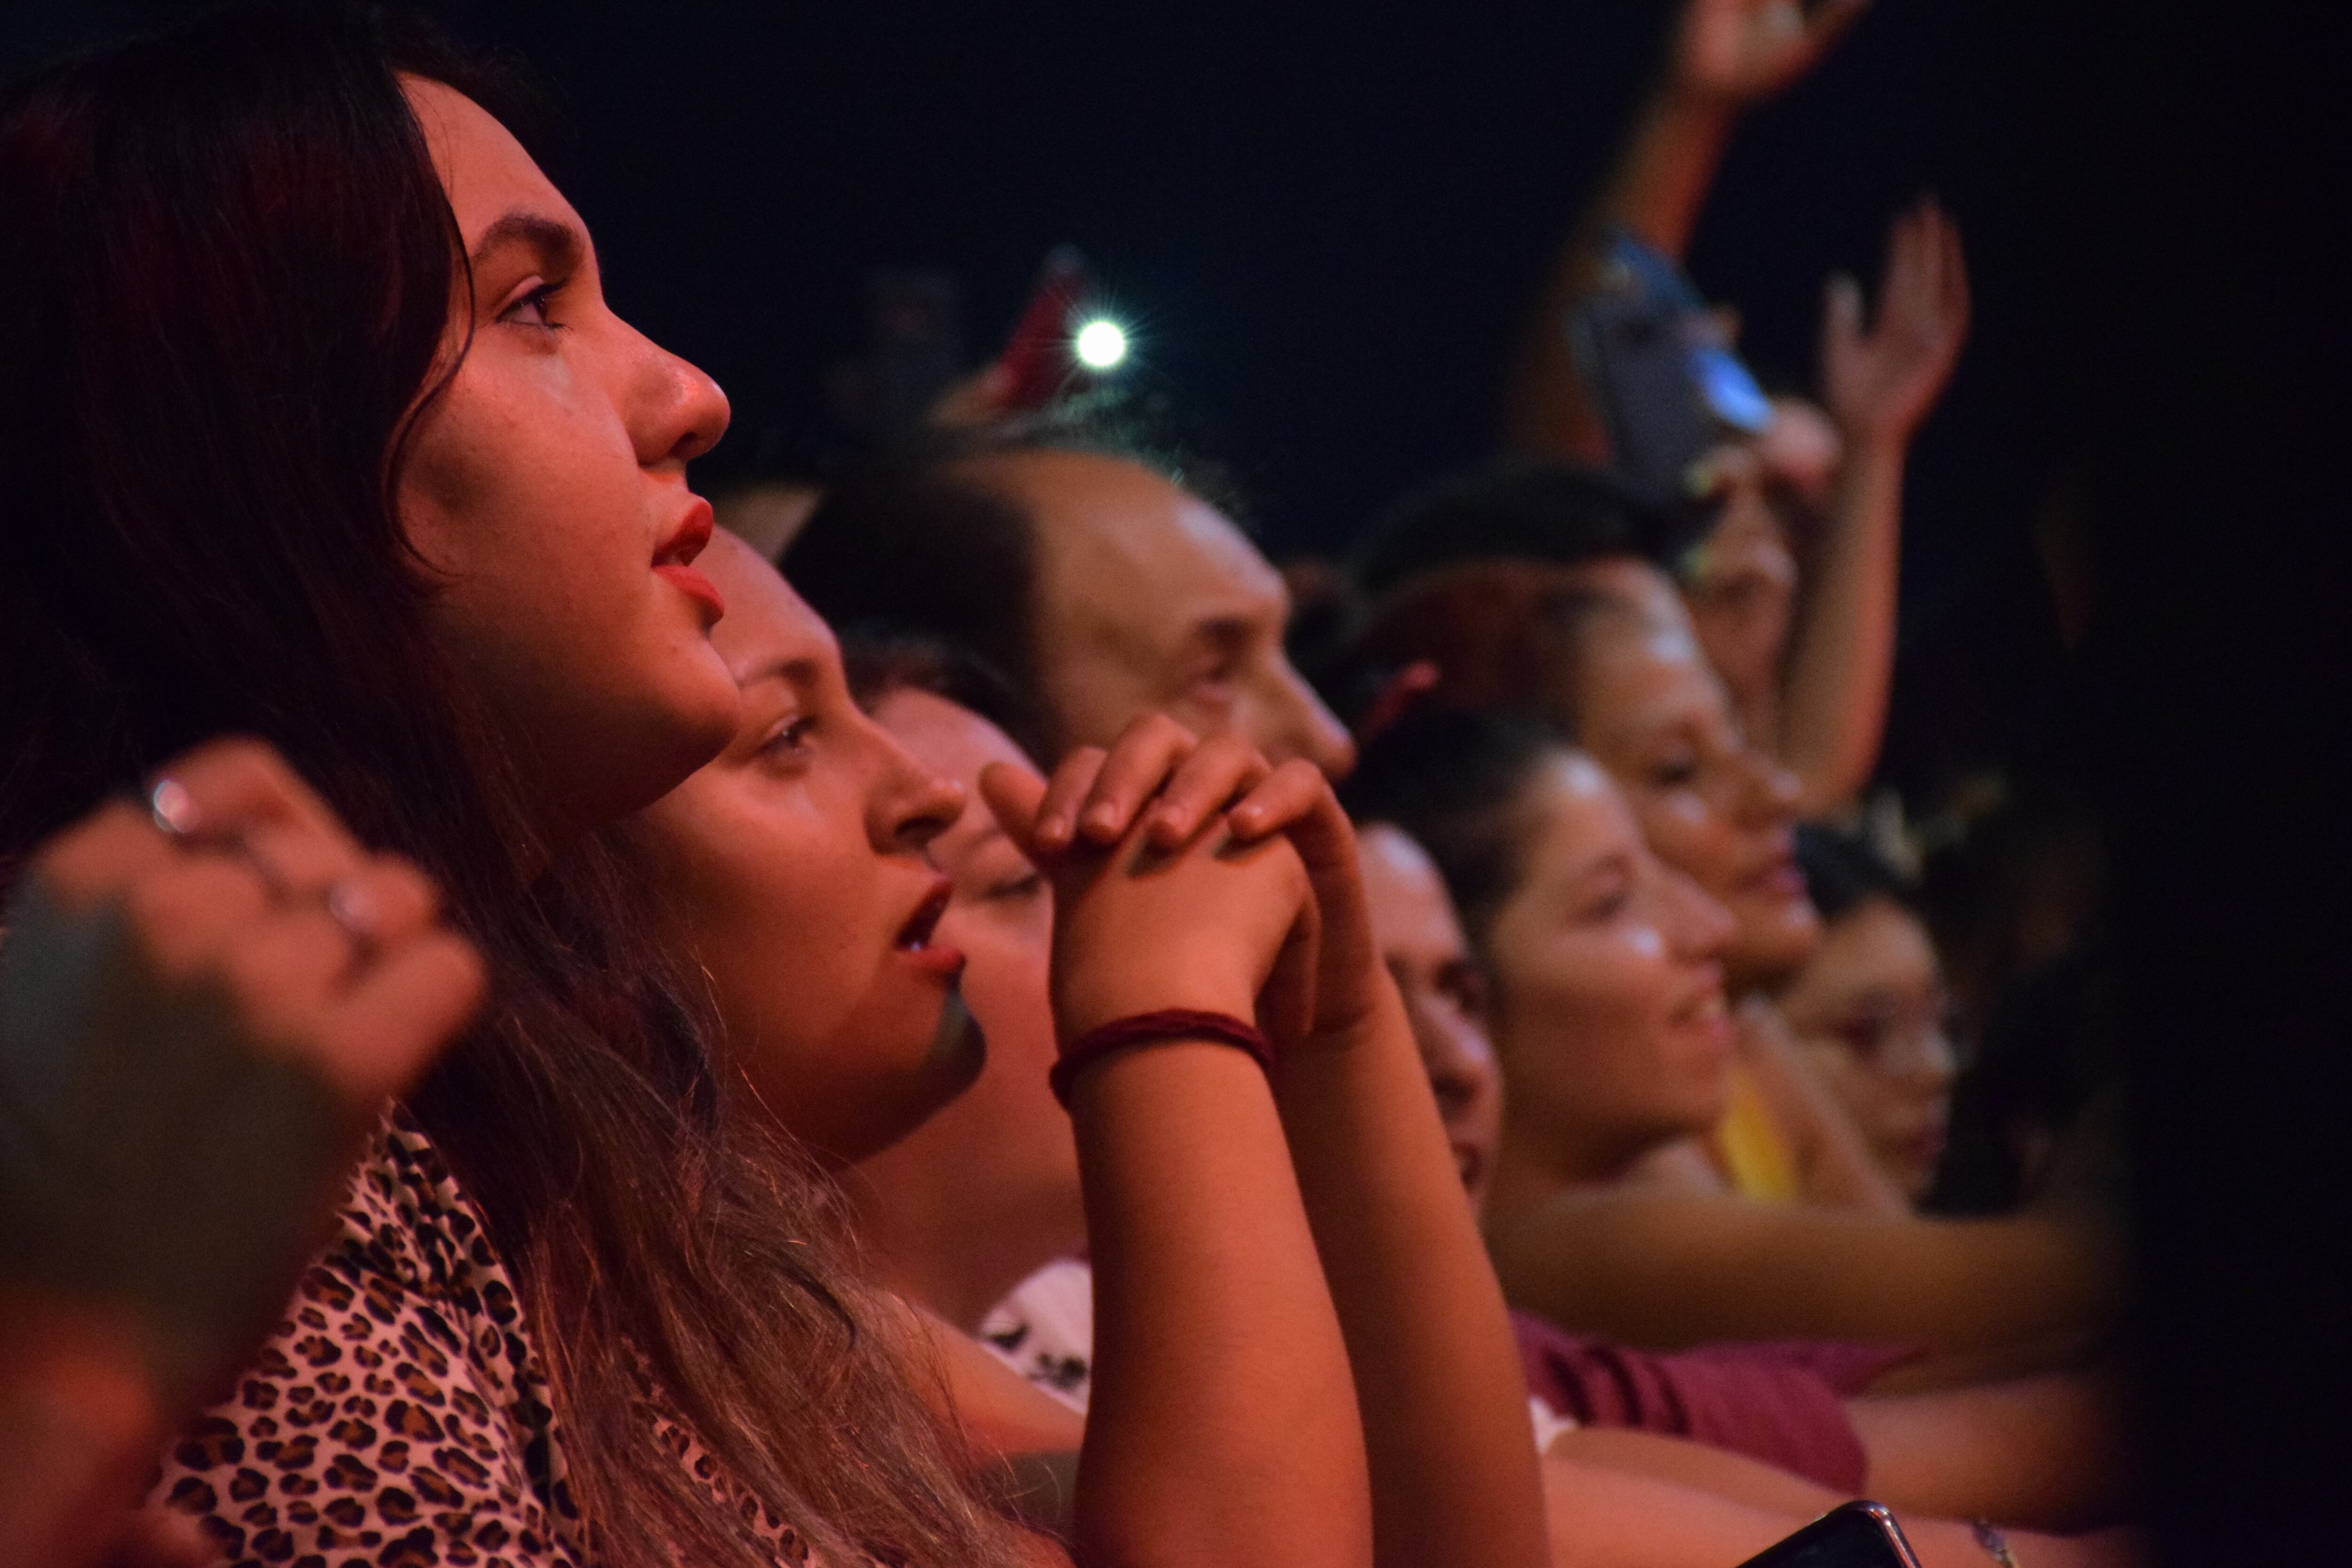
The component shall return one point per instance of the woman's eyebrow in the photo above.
(558, 245)
(795, 672)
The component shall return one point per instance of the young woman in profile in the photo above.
(410, 505)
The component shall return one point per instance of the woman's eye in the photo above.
(532, 309)
(1675, 773)
(1016, 890)
(1218, 687)
(788, 738)
(1864, 1036)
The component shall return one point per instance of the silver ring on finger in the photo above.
(172, 809)
(349, 905)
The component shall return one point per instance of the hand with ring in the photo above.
(205, 996)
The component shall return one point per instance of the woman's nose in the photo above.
(912, 805)
(675, 412)
(1772, 791)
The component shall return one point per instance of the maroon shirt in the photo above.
(1780, 1401)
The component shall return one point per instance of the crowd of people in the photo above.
(973, 1018)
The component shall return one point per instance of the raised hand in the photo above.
(1880, 378)
(1737, 52)
(1158, 902)
(204, 999)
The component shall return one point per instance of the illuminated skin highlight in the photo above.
(791, 871)
(545, 489)
(1609, 1016)
(1870, 1008)
(1149, 599)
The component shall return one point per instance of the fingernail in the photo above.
(1105, 817)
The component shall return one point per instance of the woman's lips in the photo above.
(675, 559)
(1784, 878)
(694, 586)
(1707, 1016)
(914, 942)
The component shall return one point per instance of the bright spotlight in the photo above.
(1100, 344)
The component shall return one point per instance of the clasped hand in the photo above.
(1195, 874)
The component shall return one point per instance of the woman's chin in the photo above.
(1772, 943)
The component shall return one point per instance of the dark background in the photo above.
(1325, 227)
(1327, 231)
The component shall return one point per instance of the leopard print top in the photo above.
(400, 1415)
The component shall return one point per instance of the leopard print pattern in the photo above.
(400, 1415)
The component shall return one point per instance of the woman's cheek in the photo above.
(1643, 941)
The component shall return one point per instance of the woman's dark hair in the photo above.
(1842, 872)
(1455, 780)
(1512, 509)
(227, 270)
(1501, 634)
(920, 542)
(878, 661)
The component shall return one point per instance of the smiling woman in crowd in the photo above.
(1604, 965)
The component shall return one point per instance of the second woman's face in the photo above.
(792, 872)
(1608, 1005)
(1650, 710)
(1001, 916)
(545, 489)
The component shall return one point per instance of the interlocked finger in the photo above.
(1206, 783)
(1149, 751)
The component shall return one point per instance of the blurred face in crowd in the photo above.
(1741, 581)
(1870, 1007)
(1444, 993)
(1005, 1149)
(791, 870)
(545, 488)
(1610, 1020)
(1651, 711)
(1148, 597)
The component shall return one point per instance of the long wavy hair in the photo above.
(227, 270)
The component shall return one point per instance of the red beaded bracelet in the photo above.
(1165, 1026)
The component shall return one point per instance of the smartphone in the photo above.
(1858, 1535)
(1037, 362)
(1667, 386)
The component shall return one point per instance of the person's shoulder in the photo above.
(400, 1404)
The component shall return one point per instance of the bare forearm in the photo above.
(1842, 651)
(1655, 191)
(2045, 1451)
(1223, 1424)
(1437, 1375)
(1606, 1516)
(1667, 1270)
